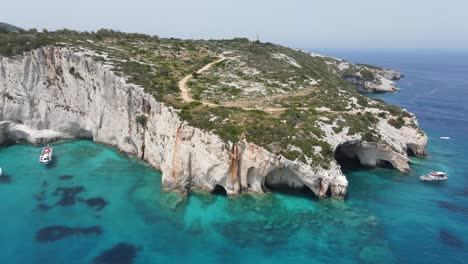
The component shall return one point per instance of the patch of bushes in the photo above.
(397, 123)
(367, 75)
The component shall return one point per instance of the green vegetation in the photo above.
(142, 120)
(12, 43)
(397, 123)
(277, 77)
(367, 75)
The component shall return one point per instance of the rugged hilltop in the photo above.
(8, 27)
(242, 115)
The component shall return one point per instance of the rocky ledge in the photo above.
(56, 93)
(368, 78)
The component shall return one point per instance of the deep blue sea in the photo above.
(96, 205)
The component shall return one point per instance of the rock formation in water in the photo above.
(56, 93)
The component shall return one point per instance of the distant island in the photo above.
(235, 114)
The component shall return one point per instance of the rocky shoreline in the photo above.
(43, 99)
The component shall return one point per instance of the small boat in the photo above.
(46, 155)
(1, 172)
(446, 138)
(434, 176)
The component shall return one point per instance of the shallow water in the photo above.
(387, 217)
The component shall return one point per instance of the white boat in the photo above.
(435, 176)
(46, 155)
(446, 138)
(1, 172)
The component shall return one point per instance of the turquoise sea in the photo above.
(94, 205)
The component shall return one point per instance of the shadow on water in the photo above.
(303, 192)
(54, 162)
(5, 178)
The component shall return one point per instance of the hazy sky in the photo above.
(298, 23)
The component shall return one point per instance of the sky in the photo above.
(414, 24)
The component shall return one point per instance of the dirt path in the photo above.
(186, 97)
(185, 91)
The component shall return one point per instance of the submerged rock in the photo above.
(53, 233)
(68, 194)
(122, 253)
(450, 239)
(43, 207)
(65, 177)
(97, 203)
(453, 207)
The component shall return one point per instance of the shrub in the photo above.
(142, 120)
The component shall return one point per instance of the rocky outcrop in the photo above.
(389, 74)
(393, 148)
(368, 78)
(57, 93)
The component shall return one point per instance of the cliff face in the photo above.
(56, 93)
(53, 93)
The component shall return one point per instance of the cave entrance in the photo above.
(346, 156)
(410, 152)
(284, 181)
(385, 164)
(219, 190)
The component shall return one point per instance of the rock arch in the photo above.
(284, 180)
(355, 154)
(346, 155)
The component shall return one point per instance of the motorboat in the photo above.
(1, 174)
(434, 176)
(445, 138)
(46, 155)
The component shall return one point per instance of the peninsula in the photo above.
(235, 114)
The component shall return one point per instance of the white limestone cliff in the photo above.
(383, 80)
(55, 93)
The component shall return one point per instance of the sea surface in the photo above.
(95, 205)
